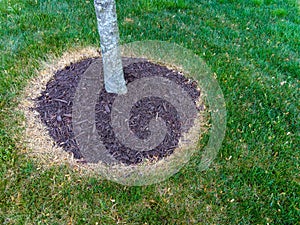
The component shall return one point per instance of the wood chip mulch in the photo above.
(55, 109)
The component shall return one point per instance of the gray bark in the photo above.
(109, 40)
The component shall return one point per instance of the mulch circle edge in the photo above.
(36, 142)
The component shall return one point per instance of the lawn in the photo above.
(253, 49)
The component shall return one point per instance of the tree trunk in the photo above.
(109, 39)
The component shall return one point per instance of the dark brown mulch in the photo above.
(55, 108)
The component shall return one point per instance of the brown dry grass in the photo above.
(40, 146)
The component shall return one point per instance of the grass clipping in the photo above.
(42, 148)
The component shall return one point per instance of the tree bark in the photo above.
(109, 40)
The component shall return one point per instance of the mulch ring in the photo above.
(54, 106)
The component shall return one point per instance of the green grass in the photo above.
(251, 46)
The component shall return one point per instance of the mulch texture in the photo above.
(55, 108)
